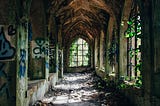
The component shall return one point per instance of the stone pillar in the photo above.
(92, 61)
(156, 48)
(47, 59)
(96, 65)
(123, 39)
(108, 68)
(147, 53)
(22, 65)
(57, 62)
(62, 63)
(101, 52)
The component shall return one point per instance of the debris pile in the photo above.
(83, 89)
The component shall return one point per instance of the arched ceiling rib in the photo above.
(77, 33)
(83, 26)
(85, 16)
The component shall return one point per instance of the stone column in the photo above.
(156, 48)
(22, 65)
(101, 51)
(96, 53)
(62, 63)
(123, 39)
(57, 62)
(147, 53)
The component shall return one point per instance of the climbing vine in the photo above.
(134, 35)
(113, 51)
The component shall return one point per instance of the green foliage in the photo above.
(138, 82)
(123, 86)
(77, 52)
(112, 53)
(134, 33)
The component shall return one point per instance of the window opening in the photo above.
(79, 53)
(133, 35)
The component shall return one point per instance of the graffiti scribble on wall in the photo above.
(6, 50)
(40, 48)
(51, 55)
(22, 63)
(11, 30)
(52, 58)
(4, 85)
(47, 65)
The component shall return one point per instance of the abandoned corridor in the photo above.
(42, 40)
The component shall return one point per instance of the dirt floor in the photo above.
(83, 89)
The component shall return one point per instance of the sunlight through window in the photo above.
(79, 53)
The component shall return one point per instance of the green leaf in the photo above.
(130, 22)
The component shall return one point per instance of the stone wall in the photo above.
(38, 88)
(8, 64)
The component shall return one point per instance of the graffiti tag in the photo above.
(11, 30)
(40, 49)
(22, 63)
(6, 50)
(52, 57)
(5, 86)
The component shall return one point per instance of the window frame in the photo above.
(80, 44)
(134, 44)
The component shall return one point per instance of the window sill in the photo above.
(130, 88)
(34, 83)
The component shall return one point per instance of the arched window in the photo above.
(79, 53)
(134, 35)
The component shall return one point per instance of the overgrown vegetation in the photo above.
(113, 51)
(113, 95)
(134, 35)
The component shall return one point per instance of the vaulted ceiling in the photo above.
(86, 17)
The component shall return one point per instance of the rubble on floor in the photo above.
(83, 89)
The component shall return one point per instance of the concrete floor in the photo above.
(80, 89)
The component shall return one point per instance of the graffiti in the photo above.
(59, 59)
(51, 54)
(40, 49)
(22, 63)
(11, 30)
(52, 59)
(47, 65)
(2, 72)
(6, 50)
(47, 49)
(4, 88)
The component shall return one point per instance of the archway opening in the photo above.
(79, 55)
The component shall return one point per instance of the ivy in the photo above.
(134, 31)
(131, 32)
(138, 82)
(112, 53)
(113, 50)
